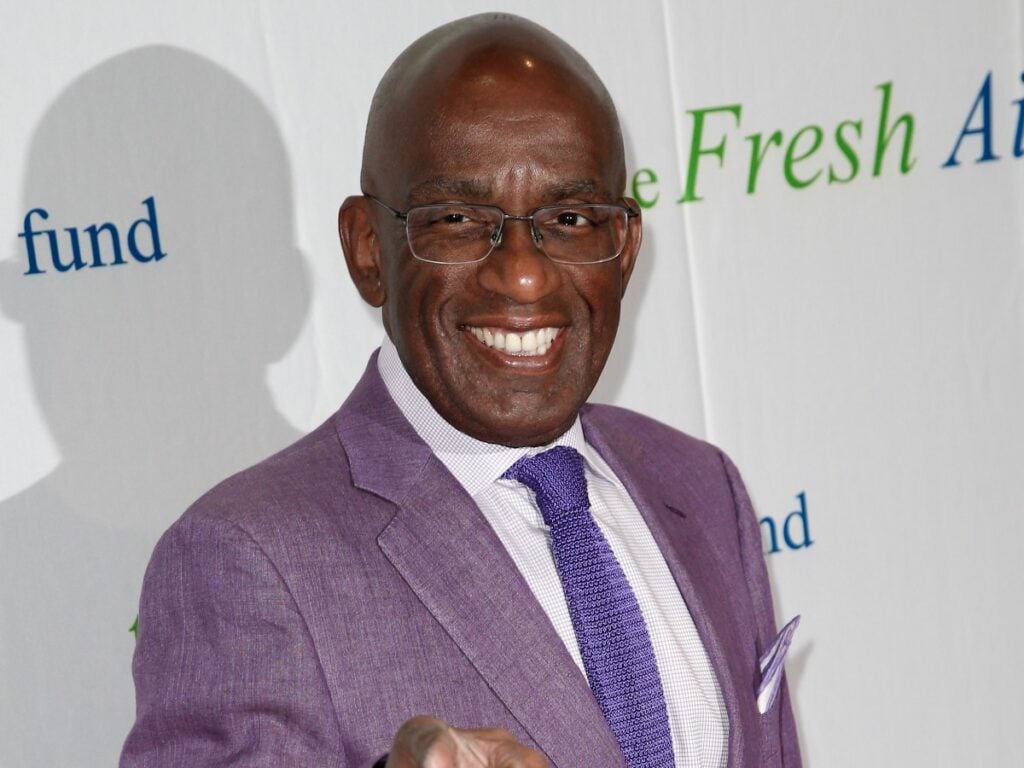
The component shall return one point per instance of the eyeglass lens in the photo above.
(577, 234)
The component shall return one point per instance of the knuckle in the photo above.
(418, 735)
(512, 754)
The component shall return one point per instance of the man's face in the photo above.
(517, 142)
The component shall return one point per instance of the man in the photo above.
(465, 540)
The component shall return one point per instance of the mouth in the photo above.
(533, 343)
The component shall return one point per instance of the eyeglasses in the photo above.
(456, 233)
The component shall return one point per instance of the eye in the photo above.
(450, 216)
(572, 219)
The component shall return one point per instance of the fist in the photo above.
(426, 742)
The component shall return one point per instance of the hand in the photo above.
(426, 742)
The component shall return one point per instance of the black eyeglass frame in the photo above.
(495, 238)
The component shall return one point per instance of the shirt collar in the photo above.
(474, 463)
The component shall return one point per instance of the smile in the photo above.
(526, 344)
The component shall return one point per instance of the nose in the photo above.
(516, 267)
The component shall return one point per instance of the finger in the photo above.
(471, 749)
(494, 748)
(422, 742)
(512, 754)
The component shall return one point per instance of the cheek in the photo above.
(417, 313)
(601, 297)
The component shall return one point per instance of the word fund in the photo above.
(96, 245)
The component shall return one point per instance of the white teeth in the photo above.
(528, 344)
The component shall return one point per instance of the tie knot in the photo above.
(556, 477)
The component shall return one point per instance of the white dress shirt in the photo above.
(696, 711)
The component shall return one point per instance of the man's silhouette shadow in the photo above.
(151, 376)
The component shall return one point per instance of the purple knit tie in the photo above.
(610, 629)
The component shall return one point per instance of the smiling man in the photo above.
(467, 564)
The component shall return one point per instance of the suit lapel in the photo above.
(447, 552)
(673, 517)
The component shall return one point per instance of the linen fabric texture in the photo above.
(303, 609)
(692, 695)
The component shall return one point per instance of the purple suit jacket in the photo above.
(303, 609)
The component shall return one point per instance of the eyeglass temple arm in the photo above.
(396, 213)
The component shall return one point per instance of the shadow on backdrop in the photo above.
(151, 374)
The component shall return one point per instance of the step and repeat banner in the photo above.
(831, 289)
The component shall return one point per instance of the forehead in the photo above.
(501, 120)
(482, 152)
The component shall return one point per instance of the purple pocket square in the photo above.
(771, 662)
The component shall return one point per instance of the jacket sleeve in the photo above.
(225, 670)
(756, 574)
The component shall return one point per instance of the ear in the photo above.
(634, 237)
(361, 246)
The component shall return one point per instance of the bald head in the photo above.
(470, 69)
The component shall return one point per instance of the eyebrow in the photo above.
(449, 187)
(572, 188)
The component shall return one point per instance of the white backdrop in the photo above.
(857, 346)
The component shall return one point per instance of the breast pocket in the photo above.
(771, 737)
